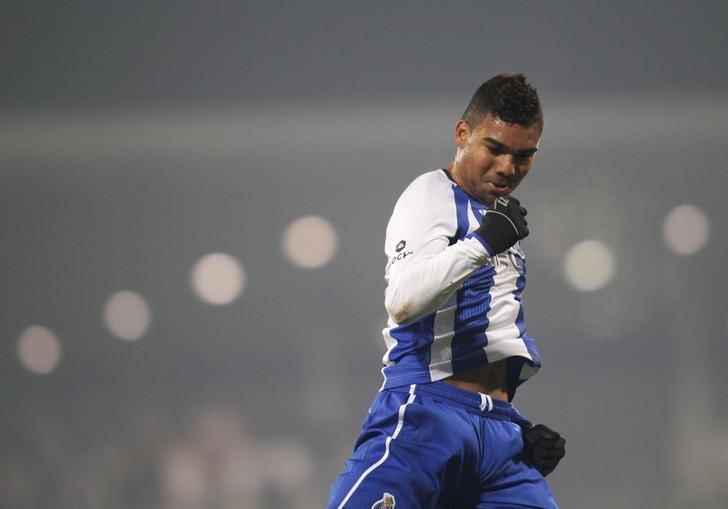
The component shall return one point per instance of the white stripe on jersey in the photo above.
(441, 349)
(504, 307)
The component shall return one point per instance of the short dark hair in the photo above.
(508, 97)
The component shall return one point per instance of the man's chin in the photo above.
(487, 198)
(490, 197)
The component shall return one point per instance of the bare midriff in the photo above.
(488, 379)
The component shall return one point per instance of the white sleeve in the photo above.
(423, 269)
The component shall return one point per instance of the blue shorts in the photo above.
(437, 446)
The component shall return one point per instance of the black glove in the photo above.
(543, 447)
(503, 225)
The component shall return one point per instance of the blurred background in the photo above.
(193, 199)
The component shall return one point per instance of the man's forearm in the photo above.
(423, 285)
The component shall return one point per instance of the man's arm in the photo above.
(423, 269)
(428, 280)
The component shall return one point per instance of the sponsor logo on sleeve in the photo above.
(401, 253)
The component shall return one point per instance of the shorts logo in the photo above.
(387, 502)
(400, 246)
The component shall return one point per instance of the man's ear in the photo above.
(462, 133)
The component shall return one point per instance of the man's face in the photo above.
(493, 157)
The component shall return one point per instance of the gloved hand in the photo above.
(543, 447)
(503, 225)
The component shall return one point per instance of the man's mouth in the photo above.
(498, 187)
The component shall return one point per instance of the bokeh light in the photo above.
(39, 350)
(589, 265)
(310, 242)
(127, 315)
(218, 278)
(686, 229)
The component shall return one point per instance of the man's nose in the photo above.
(506, 166)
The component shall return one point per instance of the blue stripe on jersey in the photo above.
(471, 320)
(532, 350)
(461, 212)
(412, 351)
(473, 299)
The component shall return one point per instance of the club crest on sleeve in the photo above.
(517, 249)
(386, 502)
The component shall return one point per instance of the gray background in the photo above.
(135, 137)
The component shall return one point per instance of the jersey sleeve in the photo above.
(425, 267)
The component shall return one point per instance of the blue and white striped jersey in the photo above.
(451, 306)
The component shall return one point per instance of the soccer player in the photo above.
(442, 431)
